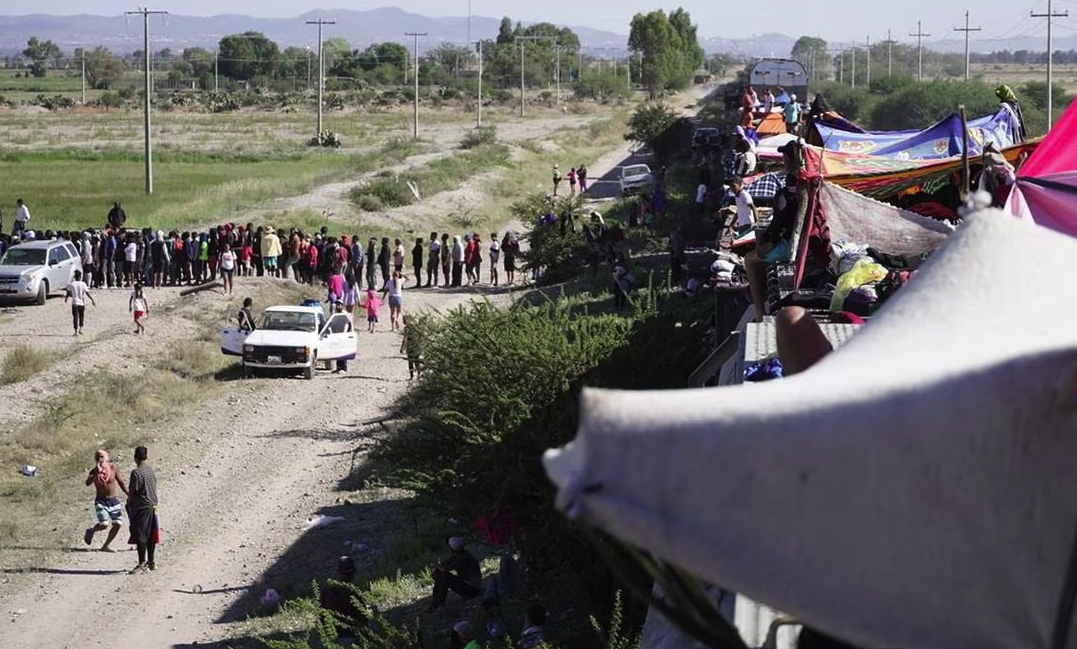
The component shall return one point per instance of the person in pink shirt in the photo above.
(336, 286)
(372, 305)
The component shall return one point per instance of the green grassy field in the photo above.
(70, 165)
(65, 190)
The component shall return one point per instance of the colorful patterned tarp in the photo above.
(943, 140)
(1046, 188)
(884, 178)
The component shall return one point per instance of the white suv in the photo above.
(30, 271)
(636, 179)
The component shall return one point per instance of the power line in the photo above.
(919, 50)
(1050, 54)
(967, 29)
(146, 13)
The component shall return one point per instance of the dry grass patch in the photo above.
(24, 362)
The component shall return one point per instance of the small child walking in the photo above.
(138, 306)
(372, 305)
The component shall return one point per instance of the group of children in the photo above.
(576, 175)
(78, 292)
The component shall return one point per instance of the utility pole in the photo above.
(146, 13)
(889, 53)
(557, 70)
(919, 50)
(321, 69)
(522, 40)
(841, 63)
(966, 29)
(415, 112)
(868, 42)
(852, 82)
(1050, 56)
(478, 118)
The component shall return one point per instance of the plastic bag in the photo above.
(862, 272)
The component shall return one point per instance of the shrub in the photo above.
(474, 432)
(853, 103)
(22, 363)
(478, 137)
(326, 138)
(921, 105)
(386, 190)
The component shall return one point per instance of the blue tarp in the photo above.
(943, 140)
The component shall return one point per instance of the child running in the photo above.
(139, 306)
(372, 305)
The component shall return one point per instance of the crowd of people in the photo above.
(120, 257)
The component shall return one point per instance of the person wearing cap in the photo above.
(271, 250)
(791, 114)
(556, 179)
(338, 598)
(459, 572)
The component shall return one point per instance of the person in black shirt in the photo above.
(142, 510)
(459, 572)
(116, 216)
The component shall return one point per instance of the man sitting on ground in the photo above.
(459, 572)
(338, 600)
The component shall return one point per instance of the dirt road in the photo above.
(239, 477)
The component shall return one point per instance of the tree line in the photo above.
(899, 59)
(662, 53)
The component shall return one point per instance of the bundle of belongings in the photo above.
(727, 269)
(872, 250)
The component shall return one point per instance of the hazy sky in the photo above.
(840, 20)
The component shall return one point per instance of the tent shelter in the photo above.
(941, 140)
(1046, 187)
(913, 489)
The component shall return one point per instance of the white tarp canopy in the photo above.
(917, 488)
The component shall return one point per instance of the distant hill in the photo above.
(780, 45)
(122, 34)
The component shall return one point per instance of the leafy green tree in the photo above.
(693, 54)
(810, 51)
(669, 49)
(333, 50)
(200, 59)
(103, 68)
(247, 56)
(42, 55)
(660, 45)
(505, 32)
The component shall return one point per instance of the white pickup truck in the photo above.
(292, 338)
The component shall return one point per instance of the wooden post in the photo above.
(966, 183)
